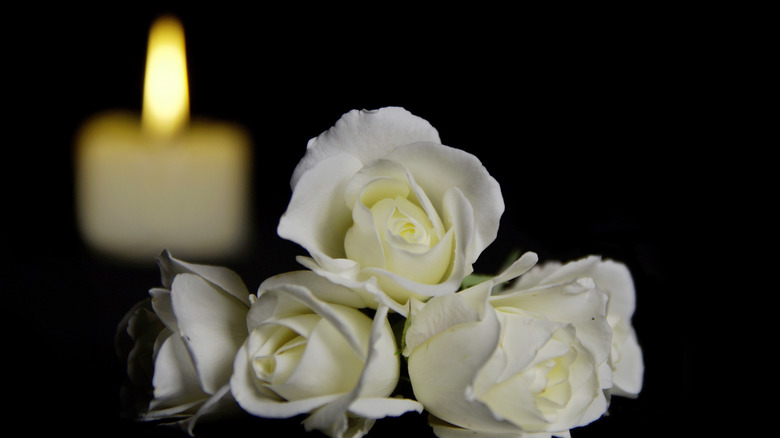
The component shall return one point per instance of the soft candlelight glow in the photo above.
(166, 96)
(161, 181)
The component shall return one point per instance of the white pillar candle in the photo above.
(160, 181)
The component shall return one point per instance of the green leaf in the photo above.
(513, 256)
(474, 279)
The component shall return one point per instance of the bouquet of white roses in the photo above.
(393, 222)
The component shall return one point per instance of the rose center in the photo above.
(274, 363)
(551, 385)
(406, 224)
(396, 228)
(408, 229)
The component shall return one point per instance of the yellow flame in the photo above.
(166, 96)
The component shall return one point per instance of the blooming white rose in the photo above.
(309, 351)
(614, 279)
(522, 366)
(186, 339)
(382, 206)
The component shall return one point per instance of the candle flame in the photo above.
(166, 96)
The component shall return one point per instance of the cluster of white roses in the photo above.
(393, 221)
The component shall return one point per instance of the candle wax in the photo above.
(137, 194)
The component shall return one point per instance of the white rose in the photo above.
(309, 351)
(614, 279)
(530, 366)
(381, 205)
(185, 340)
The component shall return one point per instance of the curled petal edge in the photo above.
(332, 418)
(328, 413)
(222, 277)
(367, 135)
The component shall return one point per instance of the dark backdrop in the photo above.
(585, 124)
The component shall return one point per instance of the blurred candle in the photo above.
(161, 180)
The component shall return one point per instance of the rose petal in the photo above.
(426, 267)
(615, 279)
(339, 271)
(219, 405)
(223, 278)
(135, 342)
(435, 317)
(263, 404)
(629, 371)
(316, 217)
(213, 326)
(513, 399)
(327, 353)
(573, 301)
(362, 241)
(381, 372)
(583, 407)
(408, 216)
(163, 308)
(575, 269)
(324, 290)
(366, 135)
(175, 381)
(389, 179)
(535, 275)
(519, 267)
(442, 372)
(517, 352)
(380, 407)
(381, 179)
(325, 310)
(398, 288)
(332, 419)
(437, 169)
(425, 202)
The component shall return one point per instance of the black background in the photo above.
(587, 124)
